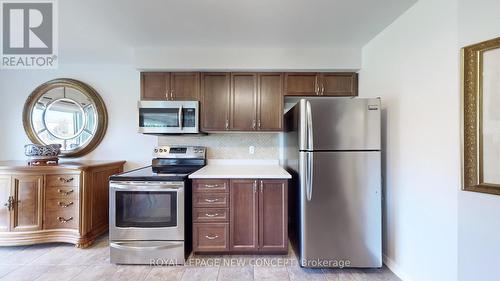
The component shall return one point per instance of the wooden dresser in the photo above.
(63, 203)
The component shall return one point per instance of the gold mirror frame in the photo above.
(100, 107)
(472, 89)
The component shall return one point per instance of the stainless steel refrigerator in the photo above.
(332, 148)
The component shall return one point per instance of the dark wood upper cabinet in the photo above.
(243, 107)
(273, 215)
(301, 84)
(339, 84)
(27, 203)
(170, 86)
(321, 84)
(185, 85)
(270, 102)
(215, 95)
(243, 223)
(155, 86)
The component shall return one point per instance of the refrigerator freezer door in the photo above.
(341, 213)
(339, 124)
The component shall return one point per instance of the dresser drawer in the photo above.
(220, 200)
(217, 185)
(61, 192)
(210, 214)
(211, 237)
(62, 217)
(63, 180)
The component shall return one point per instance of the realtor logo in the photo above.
(29, 34)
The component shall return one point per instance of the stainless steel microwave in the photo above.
(168, 117)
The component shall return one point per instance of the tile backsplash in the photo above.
(230, 145)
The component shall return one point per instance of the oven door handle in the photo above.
(123, 246)
(146, 187)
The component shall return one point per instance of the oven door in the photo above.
(146, 211)
(164, 117)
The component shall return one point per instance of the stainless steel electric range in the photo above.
(149, 213)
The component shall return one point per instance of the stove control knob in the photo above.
(156, 150)
(161, 150)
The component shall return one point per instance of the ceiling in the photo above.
(111, 27)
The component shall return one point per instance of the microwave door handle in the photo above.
(180, 117)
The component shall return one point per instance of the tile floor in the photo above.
(64, 262)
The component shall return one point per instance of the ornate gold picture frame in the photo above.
(473, 122)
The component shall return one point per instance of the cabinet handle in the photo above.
(63, 220)
(253, 124)
(211, 215)
(211, 200)
(65, 192)
(212, 237)
(261, 187)
(172, 94)
(61, 204)
(258, 124)
(211, 185)
(317, 88)
(166, 95)
(65, 180)
(322, 89)
(10, 203)
(254, 186)
(227, 124)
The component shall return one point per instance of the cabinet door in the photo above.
(243, 101)
(27, 212)
(270, 102)
(215, 101)
(339, 84)
(155, 86)
(5, 187)
(273, 216)
(243, 211)
(301, 84)
(185, 85)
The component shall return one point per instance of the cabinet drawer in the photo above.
(61, 218)
(61, 192)
(210, 214)
(211, 237)
(211, 186)
(220, 200)
(61, 205)
(63, 180)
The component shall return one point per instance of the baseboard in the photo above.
(394, 267)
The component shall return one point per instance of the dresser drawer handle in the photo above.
(65, 192)
(212, 237)
(63, 220)
(211, 215)
(61, 204)
(211, 185)
(211, 200)
(65, 180)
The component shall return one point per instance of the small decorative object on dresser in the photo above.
(42, 154)
(55, 203)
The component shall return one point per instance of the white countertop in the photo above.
(239, 170)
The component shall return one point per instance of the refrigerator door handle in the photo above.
(309, 126)
(310, 174)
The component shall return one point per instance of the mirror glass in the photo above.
(66, 112)
(491, 116)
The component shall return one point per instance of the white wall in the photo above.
(117, 84)
(413, 66)
(478, 214)
(209, 58)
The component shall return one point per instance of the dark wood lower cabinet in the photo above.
(244, 214)
(249, 217)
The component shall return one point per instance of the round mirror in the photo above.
(67, 112)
